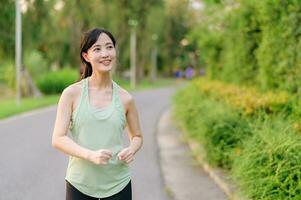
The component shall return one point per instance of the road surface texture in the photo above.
(179, 168)
(30, 168)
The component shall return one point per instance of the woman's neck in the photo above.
(100, 81)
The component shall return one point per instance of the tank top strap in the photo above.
(85, 91)
(117, 101)
(116, 98)
(81, 104)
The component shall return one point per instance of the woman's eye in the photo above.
(110, 47)
(96, 49)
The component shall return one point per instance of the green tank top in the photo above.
(98, 128)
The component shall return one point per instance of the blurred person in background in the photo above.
(189, 73)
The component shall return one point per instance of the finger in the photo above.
(129, 160)
(120, 156)
(125, 152)
(100, 162)
(104, 156)
(122, 153)
(107, 152)
(123, 157)
(127, 156)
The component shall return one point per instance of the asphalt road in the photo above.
(31, 169)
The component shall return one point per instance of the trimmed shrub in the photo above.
(247, 99)
(269, 166)
(219, 128)
(56, 82)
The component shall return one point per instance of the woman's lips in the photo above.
(106, 62)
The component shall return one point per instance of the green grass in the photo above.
(146, 84)
(8, 106)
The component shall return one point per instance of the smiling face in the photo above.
(101, 54)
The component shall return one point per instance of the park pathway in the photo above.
(31, 169)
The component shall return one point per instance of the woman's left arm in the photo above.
(134, 132)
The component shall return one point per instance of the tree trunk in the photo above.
(28, 86)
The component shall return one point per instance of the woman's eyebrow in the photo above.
(98, 45)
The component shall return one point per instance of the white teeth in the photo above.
(106, 62)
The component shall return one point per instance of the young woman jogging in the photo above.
(97, 110)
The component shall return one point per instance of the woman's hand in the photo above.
(100, 157)
(127, 155)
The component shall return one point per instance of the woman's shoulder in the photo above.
(73, 90)
(125, 96)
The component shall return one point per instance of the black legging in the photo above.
(73, 194)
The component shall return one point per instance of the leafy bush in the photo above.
(219, 128)
(245, 98)
(56, 82)
(223, 139)
(269, 166)
(187, 109)
(252, 43)
(278, 53)
(262, 151)
(9, 73)
(35, 63)
(241, 37)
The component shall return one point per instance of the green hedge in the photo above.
(252, 42)
(56, 82)
(269, 167)
(262, 152)
(219, 128)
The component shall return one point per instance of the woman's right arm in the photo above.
(62, 142)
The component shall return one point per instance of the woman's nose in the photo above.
(104, 53)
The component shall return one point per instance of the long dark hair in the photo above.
(89, 38)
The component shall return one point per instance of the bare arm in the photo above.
(134, 132)
(60, 140)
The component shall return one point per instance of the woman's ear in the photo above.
(85, 56)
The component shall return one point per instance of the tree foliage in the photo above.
(7, 29)
(53, 29)
(252, 42)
